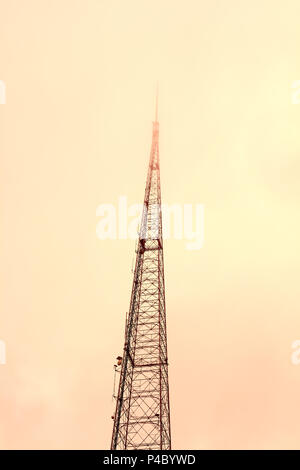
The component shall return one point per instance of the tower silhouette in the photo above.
(142, 415)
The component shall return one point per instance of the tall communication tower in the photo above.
(142, 415)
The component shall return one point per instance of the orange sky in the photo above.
(75, 133)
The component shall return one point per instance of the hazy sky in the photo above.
(75, 133)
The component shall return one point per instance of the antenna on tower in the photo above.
(142, 412)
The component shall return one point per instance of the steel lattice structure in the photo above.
(142, 416)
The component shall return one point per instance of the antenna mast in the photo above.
(142, 415)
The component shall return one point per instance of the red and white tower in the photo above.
(142, 416)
